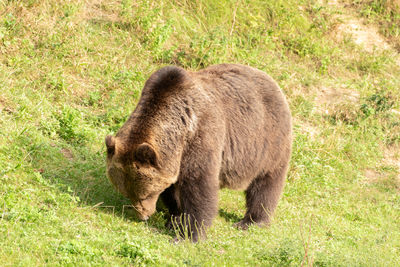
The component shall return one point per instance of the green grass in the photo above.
(71, 73)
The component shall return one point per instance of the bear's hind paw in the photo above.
(242, 225)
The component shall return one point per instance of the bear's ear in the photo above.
(110, 143)
(145, 153)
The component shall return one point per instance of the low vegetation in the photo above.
(71, 73)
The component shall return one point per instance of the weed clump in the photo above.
(378, 102)
(136, 253)
(70, 125)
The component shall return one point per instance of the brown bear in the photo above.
(192, 133)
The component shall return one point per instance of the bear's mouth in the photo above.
(142, 213)
(142, 217)
(145, 208)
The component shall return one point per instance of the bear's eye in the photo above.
(110, 150)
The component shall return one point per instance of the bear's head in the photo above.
(135, 171)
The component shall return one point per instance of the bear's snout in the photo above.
(145, 208)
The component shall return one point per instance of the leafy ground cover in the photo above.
(71, 73)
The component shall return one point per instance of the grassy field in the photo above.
(71, 73)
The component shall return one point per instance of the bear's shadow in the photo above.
(82, 174)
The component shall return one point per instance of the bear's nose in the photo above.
(144, 218)
(141, 213)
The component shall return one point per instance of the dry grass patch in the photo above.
(99, 10)
(5, 106)
(67, 153)
(333, 95)
(372, 175)
(307, 127)
(337, 102)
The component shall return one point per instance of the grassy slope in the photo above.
(71, 72)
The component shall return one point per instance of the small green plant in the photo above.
(136, 253)
(94, 99)
(70, 125)
(378, 102)
(9, 21)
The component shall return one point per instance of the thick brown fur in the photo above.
(193, 133)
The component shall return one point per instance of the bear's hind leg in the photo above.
(262, 197)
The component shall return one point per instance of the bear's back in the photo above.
(256, 121)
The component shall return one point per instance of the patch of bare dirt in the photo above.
(335, 95)
(67, 153)
(366, 36)
(2, 104)
(392, 157)
(352, 27)
(337, 102)
(372, 175)
(5, 107)
(97, 10)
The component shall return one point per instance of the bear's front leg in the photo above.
(169, 200)
(199, 208)
(197, 194)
